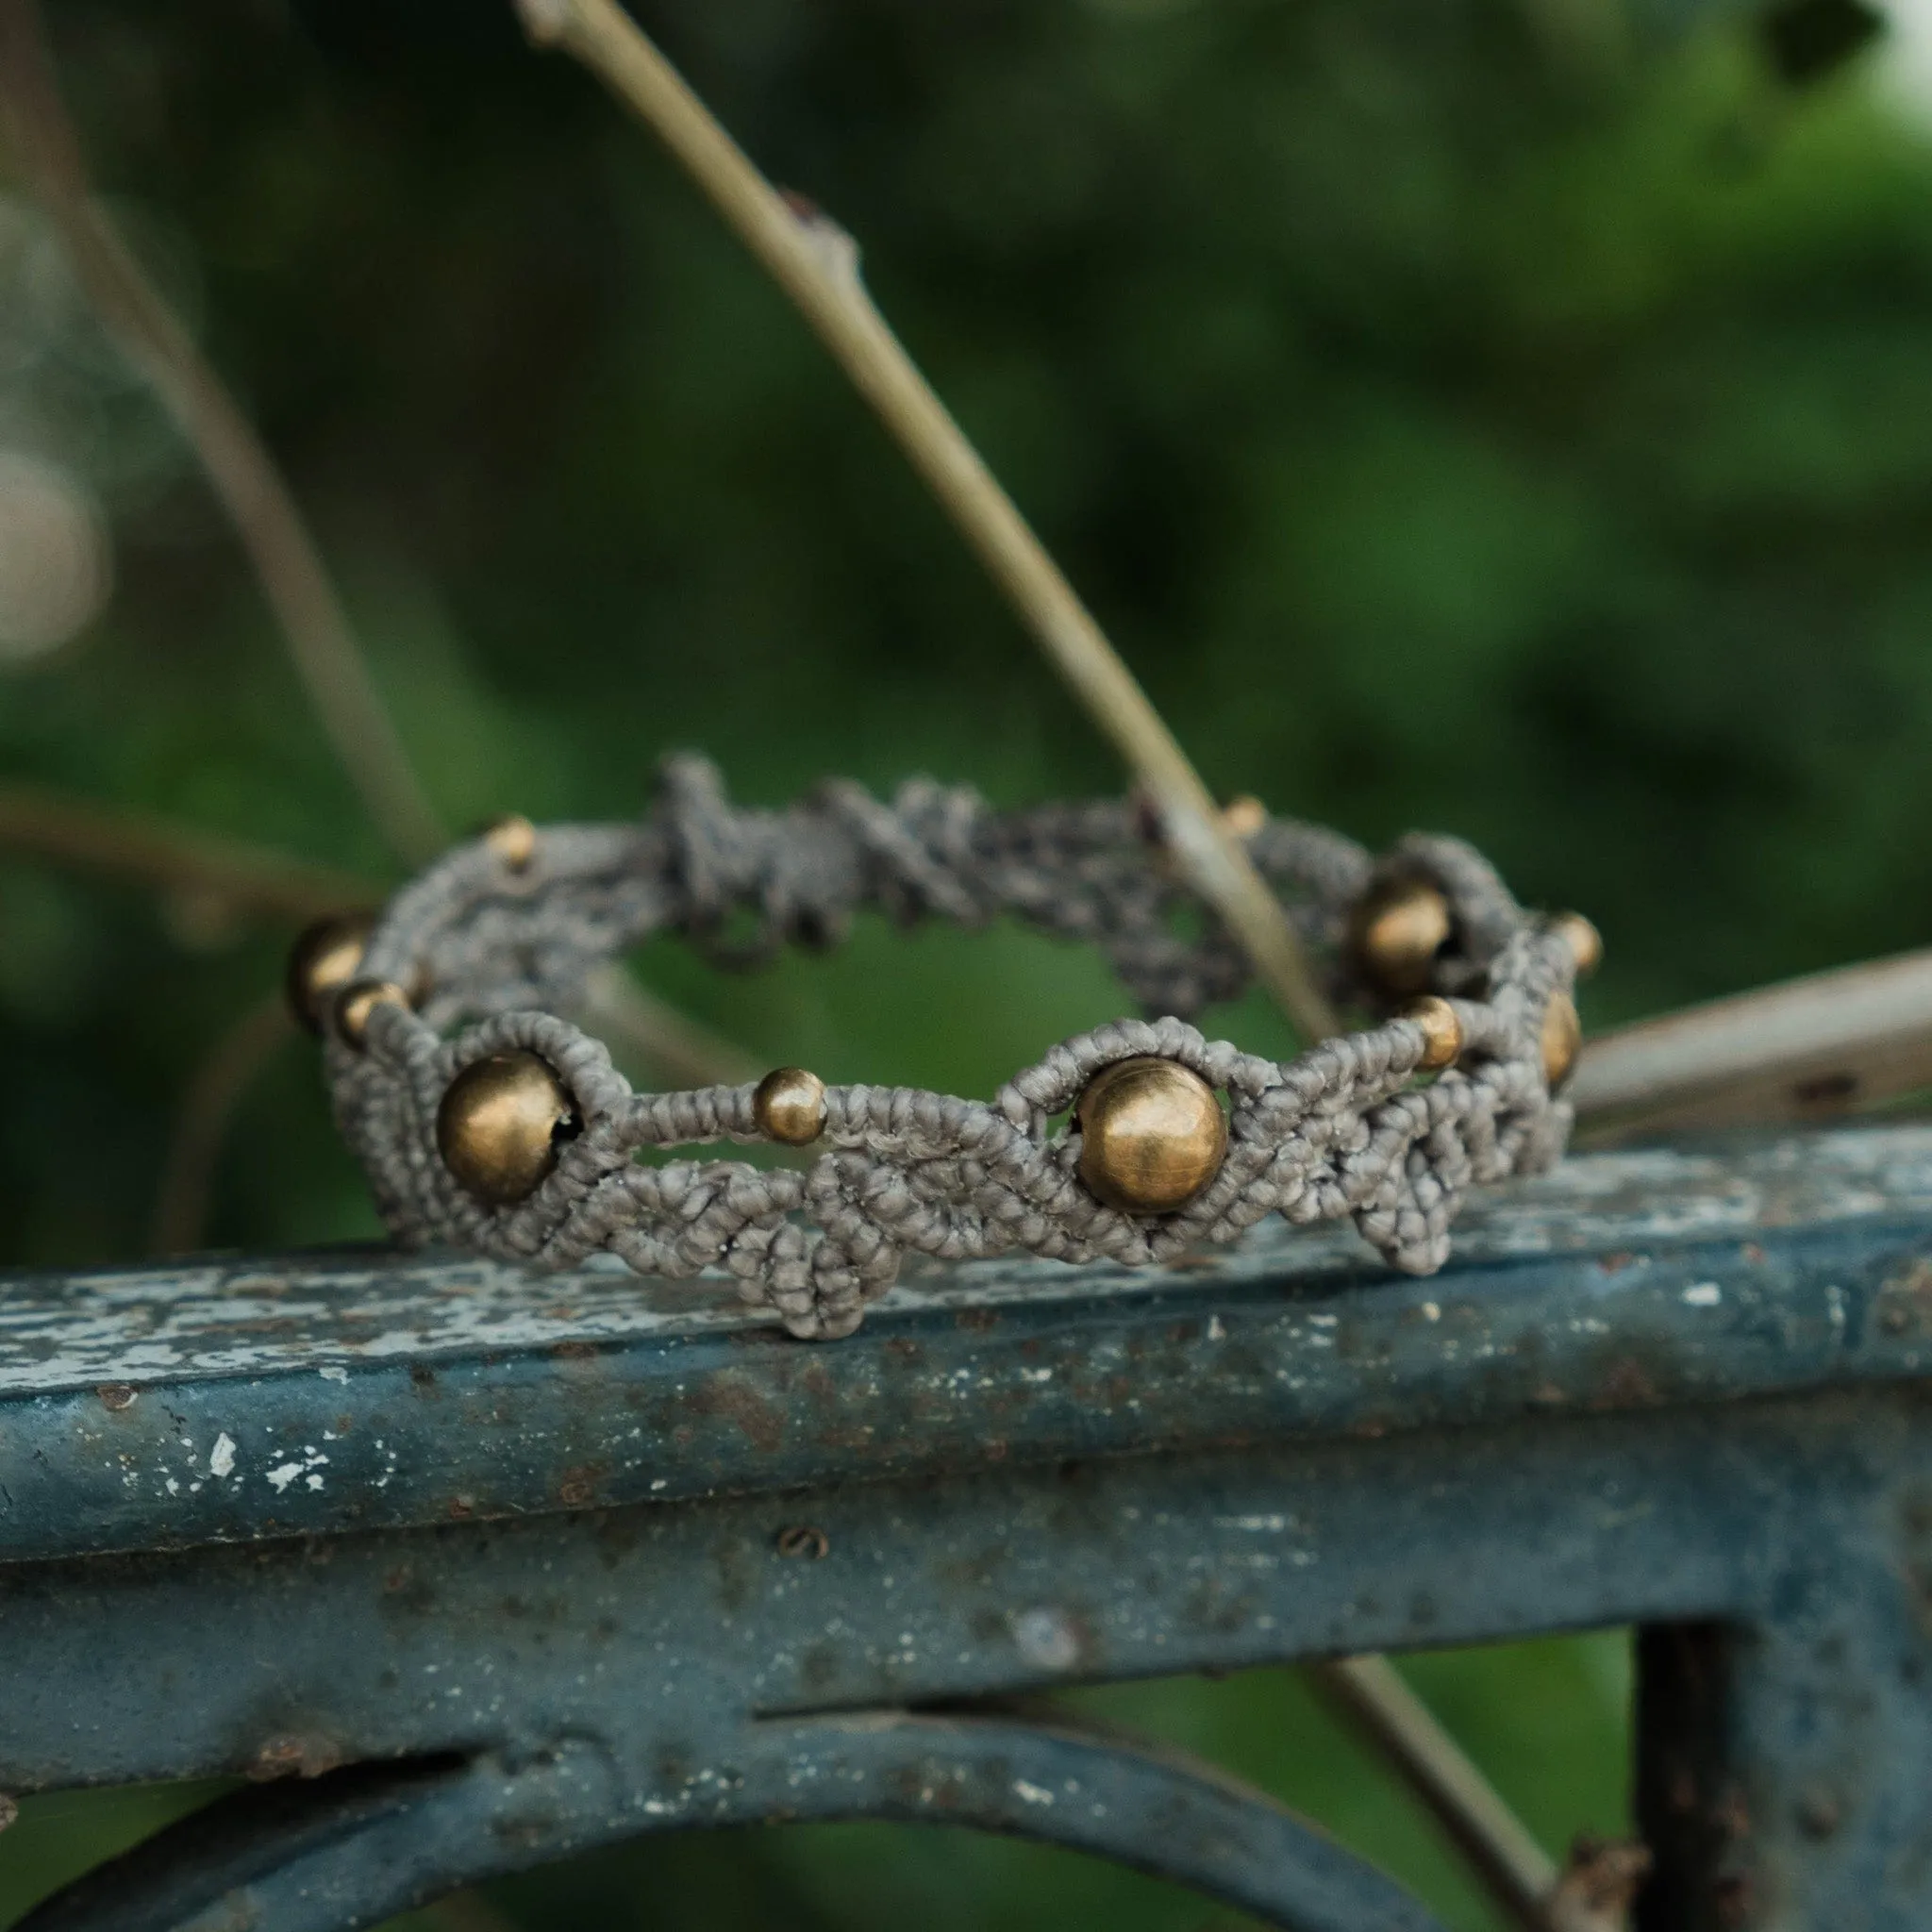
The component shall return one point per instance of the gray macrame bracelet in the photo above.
(485, 1121)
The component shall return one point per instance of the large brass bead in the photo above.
(790, 1105)
(325, 957)
(1442, 1032)
(356, 1005)
(1152, 1135)
(1396, 934)
(500, 1124)
(1562, 1035)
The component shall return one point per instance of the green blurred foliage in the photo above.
(1476, 414)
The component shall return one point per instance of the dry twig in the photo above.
(816, 265)
(1804, 1051)
(1519, 1874)
(180, 1214)
(175, 858)
(287, 563)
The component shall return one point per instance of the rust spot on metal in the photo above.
(1732, 1897)
(574, 1351)
(116, 1396)
(463, 1507)
(736, 1400)
(1616, 1263)
(804, 1540)
(306, 1754)
(1820, 1813)
(422, 1377)
(1753, 1254)
(976, 1321)
(579, 1485)
(1628, 1386)
(1905, 1302)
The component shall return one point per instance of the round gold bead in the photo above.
(1245, 816)
(499, 1125)
(1152, 1135)
(1585, 943)
(1396, 933)
(325, 957)
(355, 1003)
(1442, 1032)
(790, 1105)
(512, 839)
(1562, 1035)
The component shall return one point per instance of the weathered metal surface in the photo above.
(144, 1409)
(1680, 1390)
(361, 1846)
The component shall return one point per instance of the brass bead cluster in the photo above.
(790, 1105)
(1396, 934)
(500, 1124)
(1152, 1135)
(325, 956)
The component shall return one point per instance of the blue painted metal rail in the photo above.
(500, 1567)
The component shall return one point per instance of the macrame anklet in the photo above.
(485, 1121)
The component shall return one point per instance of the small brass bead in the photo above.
(1396, 933)
(512, 839)
(499, 1123)
(1562, 1035)
(357, 1003)
(1585, 943)
(1152, 1135)
(1441, 1031)
(325, 957)
(1245, 816)
(790, 1105)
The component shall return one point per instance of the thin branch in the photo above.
(1519, 1874)
(678, 1047)
(1807, 1050)
(174, 859)
(815, 263)
(287, 563)
(201, 1125)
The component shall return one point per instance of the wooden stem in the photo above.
(817, 267)
(245, 477)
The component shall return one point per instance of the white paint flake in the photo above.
(283, 1475)
(220, 1458)
(1031, 1794)
(1703, 1294)
(333, 1374)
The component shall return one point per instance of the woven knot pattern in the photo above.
(1345, 1129)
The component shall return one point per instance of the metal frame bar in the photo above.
(1704, 1419)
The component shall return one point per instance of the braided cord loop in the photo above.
(496, 949)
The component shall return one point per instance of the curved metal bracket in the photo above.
(359, 1845)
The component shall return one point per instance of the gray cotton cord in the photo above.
(491, 948)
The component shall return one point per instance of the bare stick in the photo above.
(1804, 1051)
(1517, 1871)
(243, 474)
(174, 859)
(201, 1125)
(816, 266)
(675, 1045)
